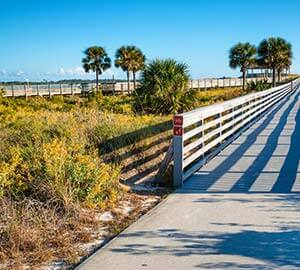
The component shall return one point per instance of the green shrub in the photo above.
(258, 85)
(50, 149)
(164, 88)
(2, 92)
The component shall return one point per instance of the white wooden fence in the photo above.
(51, 89)
(224, 82)
(202, 133)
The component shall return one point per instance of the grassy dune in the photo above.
(51, 168)
(63, 158)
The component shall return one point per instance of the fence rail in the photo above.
(224, 82)
(200, 134)
(13, 90)
(26, 90)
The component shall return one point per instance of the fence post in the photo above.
(198, 85)
(178, 150)
(72, 89)
(37, 89)
(60, 89)
(49, 89)
(114, 85)
(12, 90)
(220, 125)
(25, 90)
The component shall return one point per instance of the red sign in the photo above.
(178, 131)
(178, 120)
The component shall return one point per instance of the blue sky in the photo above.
(45, 39)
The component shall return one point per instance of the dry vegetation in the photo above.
(53, 177)
(61, 163)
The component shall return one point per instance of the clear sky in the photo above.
(45, 39)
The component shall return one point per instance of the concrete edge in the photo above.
(109, 242)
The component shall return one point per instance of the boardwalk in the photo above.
(239, 211)
(54, 89)
(263, 159)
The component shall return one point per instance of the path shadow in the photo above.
(273, 249)
(242, 179)
(138, 153)
(250, 175)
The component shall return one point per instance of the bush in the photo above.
(54, 154)
(2, 92)
(54, 177)
(45, 156)
(164, 88)
(258, 86)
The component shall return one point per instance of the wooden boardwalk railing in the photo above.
(202, 133)
(53, 89)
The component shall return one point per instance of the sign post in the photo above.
(178, 150)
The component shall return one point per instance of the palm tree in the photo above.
(275, 53)
(96, 60)
(138, 63)
(242, 55)
(123, 60)
(285, 64)
(130, 58)
(164, 87)
(286, 59)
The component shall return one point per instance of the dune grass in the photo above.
(61, 159)
(51, 168)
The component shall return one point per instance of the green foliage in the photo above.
(2, 92)
(130, 59)
(275, 53)
(242, 55)
(164, 88)
(258, 86)
(51, 148)
(218, 95)
(113, 104)
(96, 60)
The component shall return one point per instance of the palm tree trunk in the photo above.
(134, 80)
(97, 80)
(279, 75)
(274, 76)
(128, 81)
(244, 80)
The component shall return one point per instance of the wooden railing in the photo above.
(53, 89)
(200, 134)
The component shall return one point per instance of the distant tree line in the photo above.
(272, 53)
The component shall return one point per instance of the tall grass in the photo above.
(61, 160)
(51, 166)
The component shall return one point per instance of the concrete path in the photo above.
(240, 211)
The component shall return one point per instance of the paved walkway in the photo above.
(240, 211)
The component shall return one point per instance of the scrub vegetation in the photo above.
(52, 173)
(62, 160)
